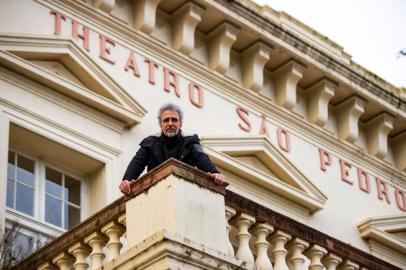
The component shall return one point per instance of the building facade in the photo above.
(282, 111)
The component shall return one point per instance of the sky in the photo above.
(372, 31)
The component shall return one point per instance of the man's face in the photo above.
(170, 123)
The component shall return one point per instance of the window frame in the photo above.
(38, 216)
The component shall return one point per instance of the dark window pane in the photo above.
(25, 199)
(53, 210)
(53, 182)
(25, 170)
(72, 190)
(10, 193)
(72, 216)
(10, 166)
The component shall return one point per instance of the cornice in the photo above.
(230, 90)
(303, 47)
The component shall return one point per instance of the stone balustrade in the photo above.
(269, 240)
(177, 218)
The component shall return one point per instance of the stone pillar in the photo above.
(187, 206)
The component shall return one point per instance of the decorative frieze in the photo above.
(145, 15)
(286, 78)
(377, 130)
(318, 96)
(348, 113)
(220, 41)
(185, 20)
(253, 60)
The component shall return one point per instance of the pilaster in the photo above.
(377, 130)
(221, 40)
(348, 113)
(185, 20)
(253, 60)
(145, 15)
(285, 80)
(318, 96)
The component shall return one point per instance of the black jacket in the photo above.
(151, 155)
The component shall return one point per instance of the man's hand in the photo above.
(219, 179)
(125, 186)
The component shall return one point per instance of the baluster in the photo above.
(331, 261)
(295, 253)
(47, 266)
(278, 241)
(230, 212)
(64, 261)
(349, 265)
(80, 251)
(114, 231)
(243, 222)
(315, 253)
(96, 241)
(261, 232)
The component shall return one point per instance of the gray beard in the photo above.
(171, 134)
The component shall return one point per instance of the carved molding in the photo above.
(348, 113)
(185, 20)
(221, 40)
(319, 96)
(377, 130)
(253, 60)
(285, 80)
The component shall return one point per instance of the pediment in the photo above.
(64, 67)
(257, 160)
(387, 230)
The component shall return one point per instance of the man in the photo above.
(169, 143)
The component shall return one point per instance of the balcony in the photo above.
(177, 218)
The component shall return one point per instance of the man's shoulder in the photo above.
(148, 141)
(192, 138)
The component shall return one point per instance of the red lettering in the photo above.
(263, 130)
(344, 166)
(382, 188)
(84, 36)
(363, 180)
(192, 97)
(58, 18)
(400, 199)
(283, 139)
(174, 83)
(325, 159)
(151, 70)
(243, 113)
(132, 64)
(104, 51)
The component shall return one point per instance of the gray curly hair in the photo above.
(170, 107)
